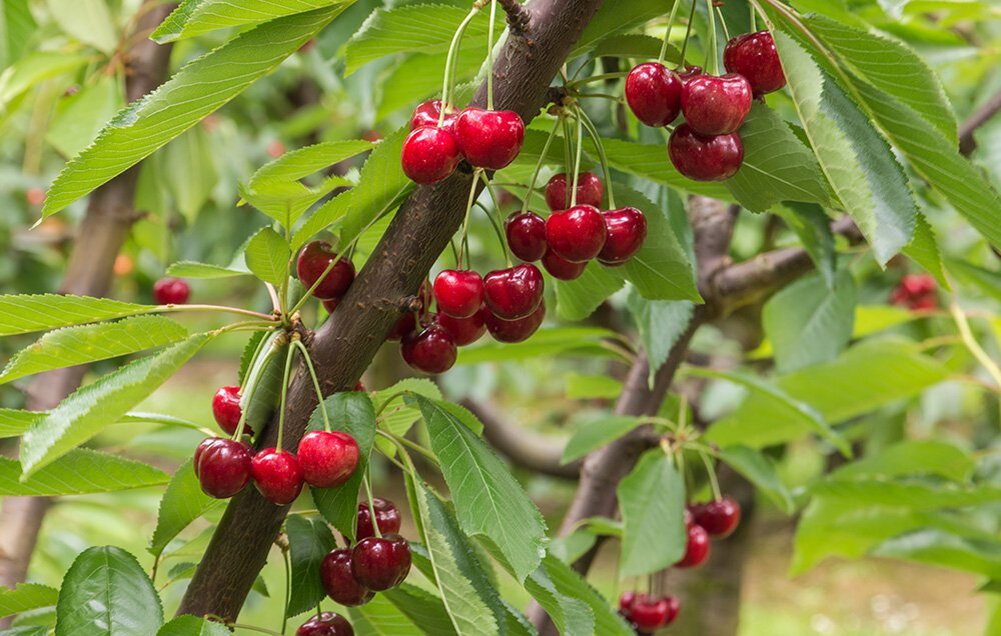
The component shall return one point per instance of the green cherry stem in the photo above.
(490, 55)
(288, 588)
(281, 407)
(496, 223)
(667, 35)
(538, 164)
(711, 472)
(688, 35)
(464, 244)
(453, 48)
(576, 164)
(297, 343)
(712, 61)
(605, 168)
(722, 21)
(371, 506)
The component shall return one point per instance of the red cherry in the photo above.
(626, 233)
(489, 139)
(331, 304)
(326, 624)
(459, 292)
(514, 292)
(653, 94)
(405, 325)
(702, 158)
(690, 71)
(222, 466)
(338, 581)
(753, 55)
(359, 386)
(327, 459)
(429, 155)
(429, 113)
(697, 548)
(314, 259)
(465, 331)
(277, 476)
(387, 517)
(560, 268)
(918, 284)
(577, 234)
(716, 105)
(431, 350)
(526, 235)
(381, 563)
(719, 518)
(511, 331)
(227, 410)
(924, 303)
(589, 191)
(171, 291)
(626, 600)
(650, 614)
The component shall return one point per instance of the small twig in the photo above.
(967, 142)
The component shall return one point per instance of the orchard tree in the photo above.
(777, 234)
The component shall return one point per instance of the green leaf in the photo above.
(923, 249)
(268, 256)
(88, 410)
(77, 472)
(182, 503)
(106, 591)
(16, 27)
(14, 423)
(193, 626)
(86, 20)
(937, 547)
(545, 342)
(577, 299)
(423, 608)
(26, 596)
(661, 323)
(192, 269)
(188, 170)
(614, 18)
(488, 500)
(27, 313)
(985, 280)
(912, 457)
(379, 617)
(561, 591)
(589, 387)
(302, 162)
(649, 161)
(79, 118)
(813, 227)
(397, 416)
(309, 540)
(634, 45)
(915, 495)
(31, 70)
(652, 501)
(592, 435)
(760, 471)
(80, 345)
(196, 17)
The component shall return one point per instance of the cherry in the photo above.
(753, 55)
(489, 139)
(560, 268)
(277, 475)
(326, 624)
(702, 158)
(697, 548)
(514, 292)
(626, 233)
(690, 71)
(916, 292)
(171, 291)
(227, 410)
(338, 581)
(359, 386)
(314, 259)
(380, 563)
(387, 517)
(589, 191)
(465, 331)
(650, 614)
(626, 600)
(431, 350)
(429, 113)
(719, 518)
(653, 94)
(223, 466)
(577, 234)
(430, 155)
(716, 105)
(327, 459)
(526, 235)
(331, 304)
(515, 330)
(459, 292)
(405, 325)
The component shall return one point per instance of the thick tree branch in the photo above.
(518, 17)
(967, 141)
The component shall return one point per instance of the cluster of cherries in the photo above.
(171, 291)
(915, 292)
(707, 146)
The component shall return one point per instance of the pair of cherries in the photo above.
(647, 613)
(717, 519)
(315, 259)
(171, 291)
(915, 292)
(488, 139)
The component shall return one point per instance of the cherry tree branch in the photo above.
(518, 17)
(990, 108)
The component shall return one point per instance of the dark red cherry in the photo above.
(331, 304)
(589, 191)
(327, 459)
(626, 600)
(719, 518)
(430, 154)
(338, 581)
(465, 331)
(577, 234)
(326, 624)
(753, 55)
(171, 291)
(626, 233)
(702, 158)
(405, 325)
(459, 292)
(223, 466)
(431, 350)
(429, 114)
(650, 614)
(653, 94)
(278, 476)
(690, 71)
(526, 235)
(387, 516)
(381, 563)
(314, 259)
(489, 139)
(514, 292)
(697, 549)
(560, 268)
(515, 330)
(716, 105)
(226, 410)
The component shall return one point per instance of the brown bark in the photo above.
(990, 108)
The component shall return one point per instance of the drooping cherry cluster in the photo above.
(915, 292)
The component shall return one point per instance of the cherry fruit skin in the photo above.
(626, 233)
(171, 291)
(489, 139)
(702, 158)
(430, 154)
(719, 518)
(754, 56)
(227, 410)
(326, 624)
(650, 614)
(429, 114)
(716, 105)
(560, 268)
(459, 292)
(277, 475)
(514, 292)
(314, 259)
(465, 331)
(691, 70)
(381, 563)
(653, 94)
(387, 517)
(512, 331)
(697, 549)
(431, 350)
(577, 234)
(223, 466)
(526, 234)
(338, 581)
(589, 190)
(327, 459)
(405, 325)
(626, 601)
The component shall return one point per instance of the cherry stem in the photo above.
(408, 463)
(576, 164)
(316, 383)
(411, 445)
(371, 506)
(605, 168)
(257, 352)
(493, 222)
(538, 164)
(453, 48)
(288, 588)
(253, 628)
(464, 245)
(275, 304)
(490, 56)
(598, 78)
(711, 472)
(281, 407)
(722, 21)
(667, 35)
(688, 35)
(712, 61)
(382, 407)
(971, 343)
(753, 17)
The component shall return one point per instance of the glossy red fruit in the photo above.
(326, 624)
(753, 55)
(654, 94)
(405, 325)
(459, 292)
(626, 600)
(589, 191)
(431, 350)
(465, 331)
(430, 154)
(560, 268)
(278, 476)
(697, 549)
(690, 71)
(338, 581)
(650, 614)
(327, 459)
(387, 517)
(429, 114)
(514, 292)
(511, 331)
(526, 235)
(314, 259)
(489, 139)
(719, 518)
(716, 105)
(701, 158)
(381, 563)
(577, 234)
(171, 291)
(626, 233)
(227, 410)
(223, 466)
(331, 304)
